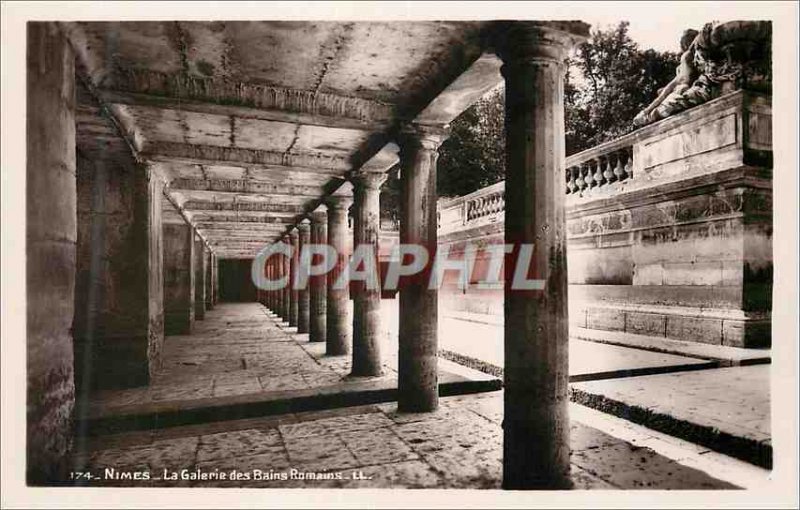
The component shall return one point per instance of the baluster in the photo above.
(587, 175)
(567, 187)
(609, 172)
(574, 173)
(598, 172)
(629, 162)
(572, 186)
(580, 181)
(619, 170)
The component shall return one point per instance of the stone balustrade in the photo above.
(731, 130)
(604, 166)
(485, 206)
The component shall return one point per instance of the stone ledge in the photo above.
(185, 412)
(716, 327)
(724, 355)
(493, 370)
(743, 448)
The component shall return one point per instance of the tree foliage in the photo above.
(609, 80)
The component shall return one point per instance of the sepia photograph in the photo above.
(382, 254)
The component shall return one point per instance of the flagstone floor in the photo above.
(458, 446)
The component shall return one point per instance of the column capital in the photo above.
(304, 226)
(368, 180)
(293, 234)
(319, 216)
(531, 42)
(428, 136)
(338, 202)
(155, 172)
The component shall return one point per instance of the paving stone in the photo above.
(238, 443)
(377, 446)
(157, 455)
(632, 467)
(282, 383)
(319, 453)
(187, 392)
(355, 423)
(414, 474)
(583, 480)
(305, 429)
(126, 397)
(481, 471)
(585, 438)
(245, 471)
(241, 388)
(734, 400)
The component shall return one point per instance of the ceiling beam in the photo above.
(248, 217)
(474, 83)
(381, 121)
(201, 205)
(236, 233)
(184, 87)
(234, 197)
(241, 224)
(319, 163)
(247, 186)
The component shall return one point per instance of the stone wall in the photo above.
(156, 274)
(51, 237)
(669, 228)
(179, 275)
(199, 279)
(683, 248)
(209, 278)
(114, 344)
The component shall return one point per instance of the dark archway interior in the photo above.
(235, 283)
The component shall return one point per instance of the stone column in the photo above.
(279, 293)
(367, 302)
(199, 278)
(418, 387)
(269, 295)
(273, 294)
(287, 291)
(303, 294)
(209, 260)
(294, 296)
(536, 448)
(50, 248)
(214, 279)
(339, 333)
(318, 317)
(178, 278)
(261, 294)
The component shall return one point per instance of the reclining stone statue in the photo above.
(720, 58)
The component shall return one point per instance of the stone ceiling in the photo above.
(252, 124)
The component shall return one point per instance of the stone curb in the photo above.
(755, 452)
(178, 413)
